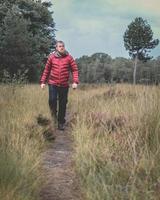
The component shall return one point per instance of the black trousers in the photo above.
(60, 95)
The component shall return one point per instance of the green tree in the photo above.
(138, 40)
(26, 36)
(16, 46)
(156, 70)
(121, 70)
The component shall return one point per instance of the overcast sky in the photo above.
(90, 26)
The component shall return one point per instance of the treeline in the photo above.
(26, 38)
(101, 67)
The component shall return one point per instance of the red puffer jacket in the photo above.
(57, 70)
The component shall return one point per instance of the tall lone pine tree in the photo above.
(138, 40)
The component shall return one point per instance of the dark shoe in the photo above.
(60, 126)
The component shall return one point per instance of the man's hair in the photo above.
(59, 41)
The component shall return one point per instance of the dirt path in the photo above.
(62, 183)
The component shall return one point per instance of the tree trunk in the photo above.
(135, 69)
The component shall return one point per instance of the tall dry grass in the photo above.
(117, 141)
(116, 131)
(21, 141)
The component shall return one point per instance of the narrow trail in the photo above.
(58, 169)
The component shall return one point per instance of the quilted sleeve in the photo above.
(46, 71)
(74, 70)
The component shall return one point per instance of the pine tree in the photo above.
(138, 40)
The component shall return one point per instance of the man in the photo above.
(56, 73)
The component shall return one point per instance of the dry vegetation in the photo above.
(21, 141)
(116, 130)
(117, 141)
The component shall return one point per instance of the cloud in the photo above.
(89, 26)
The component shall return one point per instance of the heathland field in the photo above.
(116, 132)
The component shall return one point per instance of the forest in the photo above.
(102, 68)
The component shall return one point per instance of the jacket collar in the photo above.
(59, 55)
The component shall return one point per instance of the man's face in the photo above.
(60, 47)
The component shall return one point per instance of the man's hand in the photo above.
(74, 85)
(42, 85)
